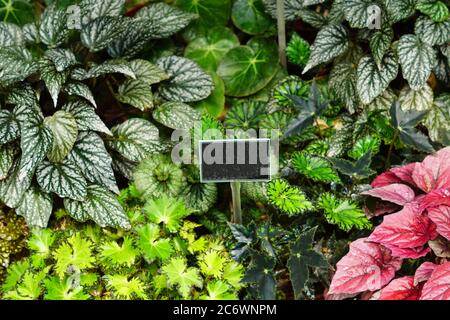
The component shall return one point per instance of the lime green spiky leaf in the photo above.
(287, 198)
(233, 273)
(179, 275)
(344, 213)
(211, 264)
(63, 289)
(298, 50)
(124, 288)
(151, 244)
(76, 252)
(114, 254)
(218, 290)
(39, 243)
(14, 274)
(314, 168)
(29, 287)
(166, 211)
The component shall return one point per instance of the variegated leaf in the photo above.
(342, 85)
(312, 2)
(417, 60)
(438, 119)
(313, 18)
(99, 33)
(176, 115)
(36, 208)
(134, 139)
(94, 8)
(16, 64)
(7, 154)
(23, 95)
(147, 72)
(53, 30)
(435, 9)
(9, 127)
(166, 20)
(380, 42)
(399, 9)
(442, 68)
(31, 32)
(331, 41)
(132, 40)
(86, 117)
(136, 93)
(10, 35)
(187, 82)
(54, 80)
(65, 131)
(13, 188)
(35, 142)
(372, 81)
(357, 13)
(292, 8)
(419, 100)
(61, 58)
(383, 102)
(64, 179)
(90, 156)
(107, 67)
(81, 90)
(431, 32)
(124, 166)
(101, 206)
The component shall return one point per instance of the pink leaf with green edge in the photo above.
(367, 266)
(438, 286)
(396, 193)
(408, 228)
(434, 172)
(441, 217)
(401, 289)
(423, 273)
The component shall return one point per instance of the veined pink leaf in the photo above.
(441, 217)
(381, 208)
(401, 289)
(409, 253)
(408, 228)
(434, 171)
(423, 273)
(396, 193)
(404, 173)
(385, 179)
(401, 174)
(438, 286)
(366, 267)
(435, 198)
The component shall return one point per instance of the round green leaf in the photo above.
(211, 12)
(208, 50)
(249, 16)
(247, 69)
(215, 103)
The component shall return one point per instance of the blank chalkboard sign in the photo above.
(234, 160)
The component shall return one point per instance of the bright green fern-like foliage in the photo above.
(344, 213)
(289, 199)
(161, 257)
(298, 50)
(314, 168)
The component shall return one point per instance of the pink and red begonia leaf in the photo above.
(423, 272)
(441, 217)
(438, 286)
(396, 193)
(367, 266)
(401, 289)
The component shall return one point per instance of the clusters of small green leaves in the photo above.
(160, 257)
(56, 73)
(408, 40)
(13, 232)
